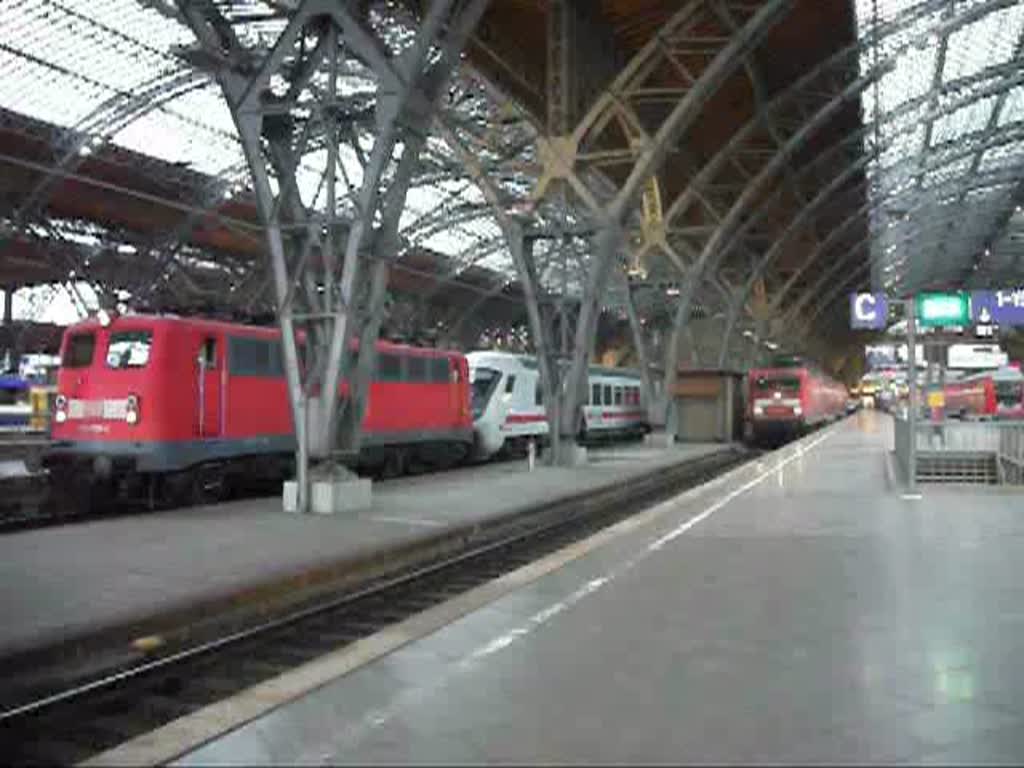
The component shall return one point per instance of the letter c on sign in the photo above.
(863, 311)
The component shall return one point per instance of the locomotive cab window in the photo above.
(618, 395)
(607, 399)
(129, 349)
(79, 351)
(510, 385)
(538, 394)
(595, 394)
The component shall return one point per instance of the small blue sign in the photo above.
(869, 311)
(1004, 307)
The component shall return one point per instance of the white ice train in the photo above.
(508, 407)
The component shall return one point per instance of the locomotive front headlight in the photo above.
(60, 409)
(758, 409)
(132, 413)
(797, 410)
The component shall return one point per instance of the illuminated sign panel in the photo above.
(1004, 307)
(938, 309)
(976, 356)
(868, 311)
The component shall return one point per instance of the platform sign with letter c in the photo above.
(869, 311)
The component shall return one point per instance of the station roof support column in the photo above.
(330, 271)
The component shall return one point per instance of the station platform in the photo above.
(108, 581)
(799, 609)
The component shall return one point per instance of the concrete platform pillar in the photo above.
(336, 491)
(660, 439)
(569, 454)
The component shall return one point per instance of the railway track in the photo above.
(73, 724)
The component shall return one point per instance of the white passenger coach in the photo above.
(508, 407)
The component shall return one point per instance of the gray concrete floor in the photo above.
(63, 581)
(806, 614)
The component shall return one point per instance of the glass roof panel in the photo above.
(168, 134)
(1008, 155)
(20, 91)
(963, 121)
(972, 76)
(1013, 108)
(64, 59)
(946, 172)
(987, 42)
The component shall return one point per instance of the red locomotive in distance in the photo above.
(783, 401)
(997, 394)
(178, 408)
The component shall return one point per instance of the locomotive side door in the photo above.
(209, 372)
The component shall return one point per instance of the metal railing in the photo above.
(962, 451)
(901, 443)
(1011, 455)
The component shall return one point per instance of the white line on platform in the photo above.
(187, 733)
(348, 735)
(410, 521)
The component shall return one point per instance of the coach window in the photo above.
(389, 367)
(416, 369)
(618, 395)
(79, 351)
(538, 394)
(438, 370)
(129, 349)
(250, 357)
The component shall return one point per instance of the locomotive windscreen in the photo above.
(484, 382)
(129, 349)
(781, 383)
(1009, 393)
(79, 351)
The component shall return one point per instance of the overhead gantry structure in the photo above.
(713, 174)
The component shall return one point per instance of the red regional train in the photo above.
(180, 408)
(786, 399)
(995, 394)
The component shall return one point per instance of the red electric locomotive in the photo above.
(995, 394)
(168, 405)
(785, 400)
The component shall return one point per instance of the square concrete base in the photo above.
(330, 497)
(659, 440)
(570, 455)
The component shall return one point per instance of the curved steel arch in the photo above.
(838, 59)
(976, 149)
(998, 177)
(107, 118)
(733, 226)
(686, 198)
(613, 104)
(1009, 136)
